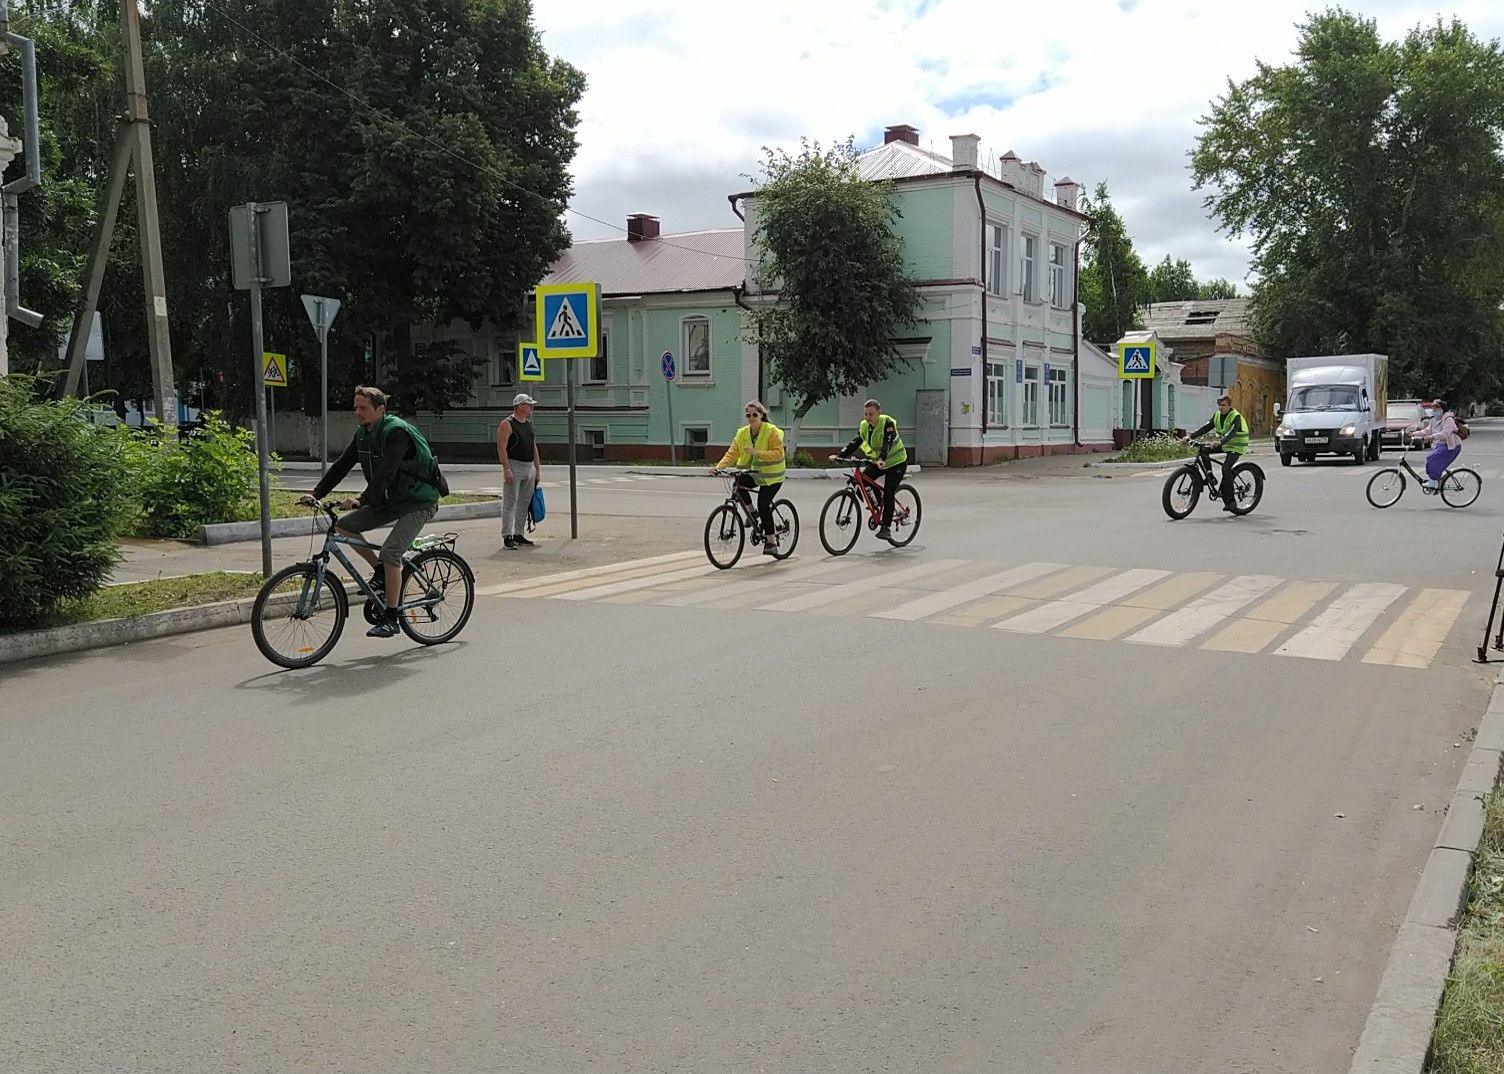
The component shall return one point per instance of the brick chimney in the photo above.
(901, 132)
(641, 227)
(963, 152)
(1068, 193)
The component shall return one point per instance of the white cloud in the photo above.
(684, 93)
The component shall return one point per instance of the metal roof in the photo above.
(900, 160)
(1198, 320)
(691, 261)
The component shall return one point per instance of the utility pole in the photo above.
(132, 144)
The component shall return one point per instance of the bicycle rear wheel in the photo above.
(441, 576)
(1460, 487)
(840, 522)
(725, 536)
(1385, 488)
(298, 616)
(1247, 488)
(906, 514)
(785, 527)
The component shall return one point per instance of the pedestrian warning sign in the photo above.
(1136, 361)
(529, 365)
(568, 320)
(273, 370)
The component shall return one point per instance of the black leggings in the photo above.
(891, 478)
(765, 494)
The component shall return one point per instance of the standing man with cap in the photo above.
(522, 468)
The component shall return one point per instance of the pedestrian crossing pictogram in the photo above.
(566, 326)
(1136, 360)
(567, 320)
(1380, 623)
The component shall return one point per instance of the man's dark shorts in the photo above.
(405, 527)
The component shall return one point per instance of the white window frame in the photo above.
(999, 375)
(685, 327)
(504, 362)
(998, 237)
(1031, 396)
(604, 357)
(1028, 265)
(1058, 297)
(1059, 389)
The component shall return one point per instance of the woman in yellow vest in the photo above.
(878, 440)
(758, 446)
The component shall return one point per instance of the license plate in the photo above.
(1315, 439)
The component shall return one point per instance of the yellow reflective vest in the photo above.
(764, 458)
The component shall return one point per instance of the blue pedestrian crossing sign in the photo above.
(569, 320)
(1137, 361)
(529, 365)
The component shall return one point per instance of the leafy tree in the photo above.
(1115, 285)
(1173, 280)
(1371, 179)
(1216, 288)
(827, 244)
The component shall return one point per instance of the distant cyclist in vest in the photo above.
(402, 491)
(757, 445)
(1232, 437)
(878, 440)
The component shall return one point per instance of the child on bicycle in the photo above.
(757, 445)
(877, 438)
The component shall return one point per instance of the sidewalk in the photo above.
(603, 540)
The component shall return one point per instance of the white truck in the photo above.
(1335, 406)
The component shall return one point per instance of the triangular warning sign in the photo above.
(566, 324)
(1136, 361)
(532, 365)
(275, 373)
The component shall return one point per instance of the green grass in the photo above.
(1154, 449)
(1469, 1035)
(142, 598)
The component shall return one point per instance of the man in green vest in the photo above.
(878, 440)
(1232, 436)
(402, 491)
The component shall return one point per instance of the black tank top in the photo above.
(521, 444)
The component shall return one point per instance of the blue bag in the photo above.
(536, 509)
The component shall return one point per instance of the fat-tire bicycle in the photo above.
(727, 528)
(300, 611)
(1457, 488)
(841, 517)
(1183, 488)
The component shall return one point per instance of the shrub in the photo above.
(64, 495)
(802, 459)
(208, 476)
(1158, 448)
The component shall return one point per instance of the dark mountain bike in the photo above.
(1183, 488)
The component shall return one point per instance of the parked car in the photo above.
(1399, 416)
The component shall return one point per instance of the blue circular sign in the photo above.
(668, 365)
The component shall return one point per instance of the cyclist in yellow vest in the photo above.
(878, 440)
(757, 445)
(1232, 435)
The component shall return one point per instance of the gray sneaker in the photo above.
(770, 547)
(885, 534)
(386, 628)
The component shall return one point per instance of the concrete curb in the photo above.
(104, 633)
(1165, 465)
(229, 532)
(1396, 1037)
(835, 473)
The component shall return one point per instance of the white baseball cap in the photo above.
(523, 397)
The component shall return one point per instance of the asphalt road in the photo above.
(810, 815)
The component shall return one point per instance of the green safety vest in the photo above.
(1239, 441)
(872, 440)
(414, 486)
(764, 473)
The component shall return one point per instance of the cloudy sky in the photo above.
(684, 93)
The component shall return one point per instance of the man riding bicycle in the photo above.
(1232, 437)
(878, 440)
(758, 445)
(403, 486)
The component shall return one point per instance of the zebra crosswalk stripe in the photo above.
(1059, 612)
(1338, 628)
(934, 603)
(1417, 635)
(831, 594)
(1203, 613)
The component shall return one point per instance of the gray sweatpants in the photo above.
(515, 497)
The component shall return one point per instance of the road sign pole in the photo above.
(673, 451)
(262, 452)
(574, 514)
(324, 401)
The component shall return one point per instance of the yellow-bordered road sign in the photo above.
(1137, 361)
(273, 369)
(568, 320)
(529, 365)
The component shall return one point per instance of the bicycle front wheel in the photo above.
(906, 513)
(298, 616)
(786, 526)
(1182, 490)
(1460, 487)
(840, 522)
(443, 587)
(1386, 487)
(725, 536)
